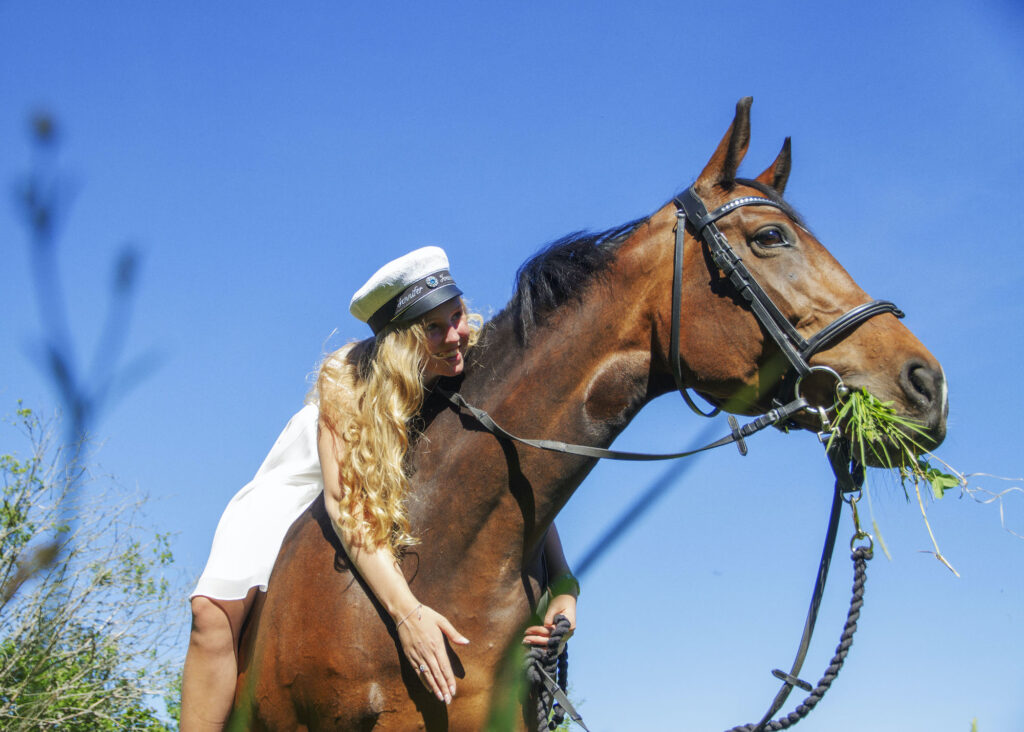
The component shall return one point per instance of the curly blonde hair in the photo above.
(369, 393)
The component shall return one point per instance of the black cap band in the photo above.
(420, 297)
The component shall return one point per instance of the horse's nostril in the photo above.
(922, 384)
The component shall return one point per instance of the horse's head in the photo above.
(742, 360)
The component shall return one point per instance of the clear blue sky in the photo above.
(266, 159)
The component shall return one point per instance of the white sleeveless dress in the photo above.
(254, 523)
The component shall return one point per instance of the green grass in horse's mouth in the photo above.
(879, 436)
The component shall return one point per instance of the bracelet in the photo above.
(418, 617)
(564, 584)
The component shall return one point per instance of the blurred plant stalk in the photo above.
(43, 198)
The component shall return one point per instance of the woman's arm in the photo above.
(421, 630)
(563, 588)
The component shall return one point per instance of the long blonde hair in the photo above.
(369, 393)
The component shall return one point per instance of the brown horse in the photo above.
(582, 346)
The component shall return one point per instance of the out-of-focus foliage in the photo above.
(87, 631)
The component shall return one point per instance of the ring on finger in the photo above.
(423, 667)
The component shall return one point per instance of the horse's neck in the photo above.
(580, 377)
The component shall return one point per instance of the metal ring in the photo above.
(862, 535)
(423, 667)
(841, 388)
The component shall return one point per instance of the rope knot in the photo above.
(544, 661)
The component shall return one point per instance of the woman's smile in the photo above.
(447, 332)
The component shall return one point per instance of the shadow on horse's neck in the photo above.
(580, 375)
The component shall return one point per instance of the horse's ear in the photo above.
(721, 169)
(777, 173)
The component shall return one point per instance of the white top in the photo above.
(253, 525)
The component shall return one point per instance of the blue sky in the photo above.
(265, 159)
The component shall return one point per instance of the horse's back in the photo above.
(317, 652)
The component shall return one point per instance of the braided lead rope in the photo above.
(563, 684)
(543, 664)
(860, 557)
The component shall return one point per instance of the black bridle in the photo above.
(797, 349)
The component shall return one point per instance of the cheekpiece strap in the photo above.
(790, 342)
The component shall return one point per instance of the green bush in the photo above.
(88, 636)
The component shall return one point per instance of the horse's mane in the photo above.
(559, 272)
(562, 270)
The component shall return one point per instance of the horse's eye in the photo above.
(771, 237)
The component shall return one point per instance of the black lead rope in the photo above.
(544, 664)
(860, 557)
(849, 479)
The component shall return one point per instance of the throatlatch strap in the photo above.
(677, 304)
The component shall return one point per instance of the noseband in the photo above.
(797, 349)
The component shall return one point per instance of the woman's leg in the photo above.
(211, 664)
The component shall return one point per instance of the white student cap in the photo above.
(405, 288)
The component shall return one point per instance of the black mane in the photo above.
(560, 272)
(563, 269)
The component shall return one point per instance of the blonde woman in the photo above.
(349, 442)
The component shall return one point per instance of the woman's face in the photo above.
(447, 336)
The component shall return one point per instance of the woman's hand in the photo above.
(422, 633)
(538, 635)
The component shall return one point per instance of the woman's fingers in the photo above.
(430, 674)
(540, 635)
(435, 677)
(423, 638)
(449, 630)
(537, 635)
(442, 653)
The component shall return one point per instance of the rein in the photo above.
(777, 416)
